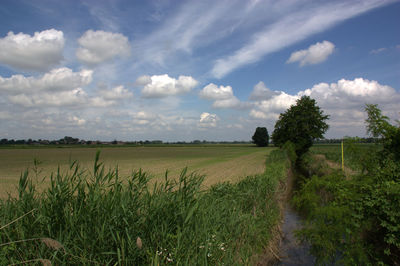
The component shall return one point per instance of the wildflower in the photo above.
(209, 254)
(201, 246)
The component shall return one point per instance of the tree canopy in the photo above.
(301, 124)
(261, 137)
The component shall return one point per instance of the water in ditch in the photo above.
(292, 251)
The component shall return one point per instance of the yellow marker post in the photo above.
(342, 158)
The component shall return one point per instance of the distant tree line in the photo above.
(359, 140)
(76, 141)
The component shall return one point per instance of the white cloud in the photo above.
(59, 87)
(272, 107)
(291, 28)
(344, 101)
(213, 92)
(261, 92)
(38, 52)
(377, 51)
(143, 80)
(315, 54)
(61, 79)
(77, 121)
(43, 99)
(208, 120)
(99, 46)
(159, 86)
(116, 93)
(350, 93)
(222, 96)
(229, 103)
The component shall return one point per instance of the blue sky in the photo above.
(185, 70)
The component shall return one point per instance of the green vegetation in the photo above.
(261, 137)
(301, 124)
(356, 154)
(355, 220)
(95, 218)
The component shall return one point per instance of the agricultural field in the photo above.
(218, 163)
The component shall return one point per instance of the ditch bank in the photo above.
(284, 248)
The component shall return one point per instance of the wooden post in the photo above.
(342, 158)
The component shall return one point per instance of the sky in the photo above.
(187, 70)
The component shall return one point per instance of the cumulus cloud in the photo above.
(159, 86)
(59, 87)
(272, 107)
(349, 93)
(116, 93)
(61, 79)
(344, 101)
(208, 120)
(42, 99)
(222, 96)
(99, 46)
(261, 92)
(213, 92)
(314, 54)
(33, 53)
(106, 97)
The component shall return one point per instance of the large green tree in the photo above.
(261, 137)
(301, 124)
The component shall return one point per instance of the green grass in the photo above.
(355, 154)
(219, 162)
(101, 217)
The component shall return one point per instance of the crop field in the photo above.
(218, 163)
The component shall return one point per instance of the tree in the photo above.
(301, 124)
(261, 137)
(378, 126)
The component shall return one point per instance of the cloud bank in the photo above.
(344, 101)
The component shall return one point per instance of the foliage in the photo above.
(98, 217)
(261, 137)
(301, 124)
(378, 126)
(355, 221)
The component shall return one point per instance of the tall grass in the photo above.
(99, 217)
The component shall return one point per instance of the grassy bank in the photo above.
(355, 154)
(352, 220)
(95, 218)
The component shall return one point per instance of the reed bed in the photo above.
(97, 217)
